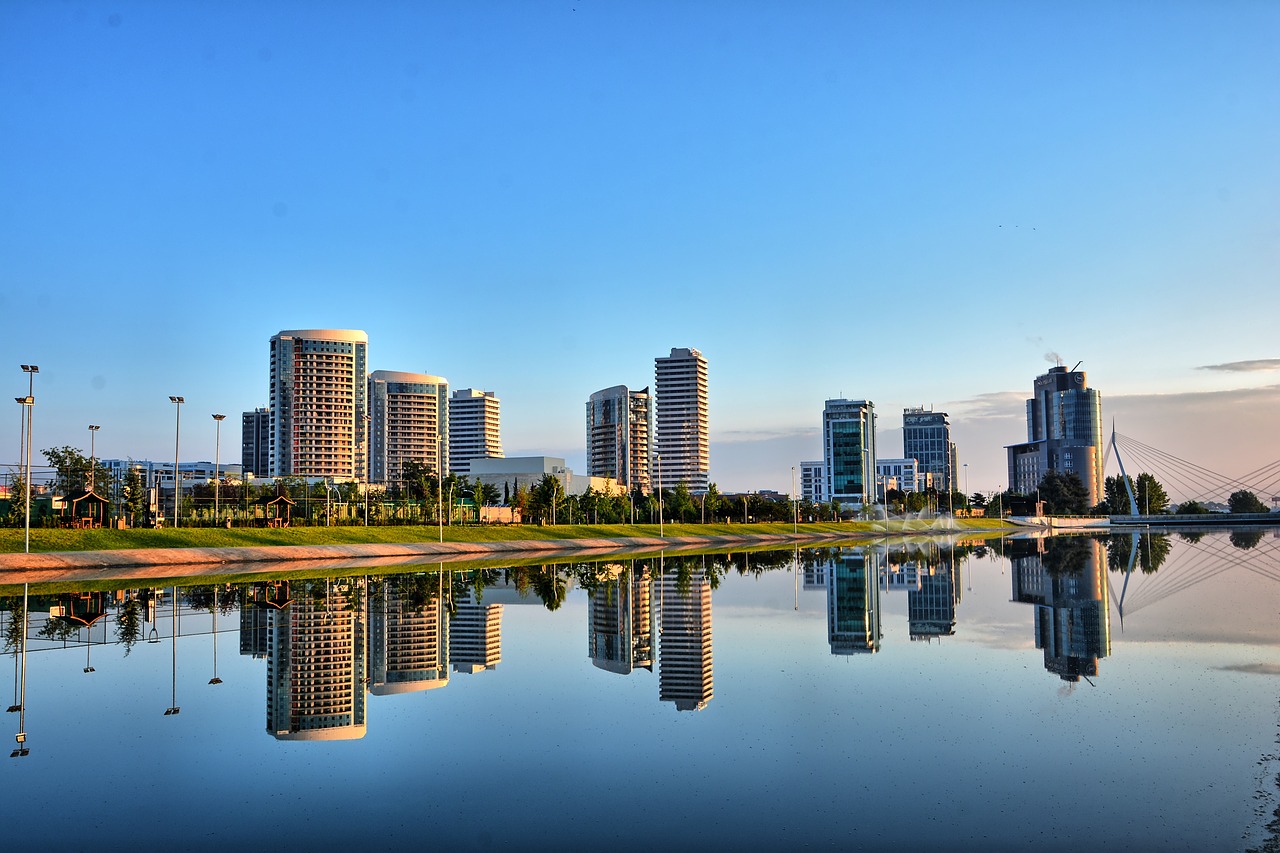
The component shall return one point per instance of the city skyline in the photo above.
(541, 201)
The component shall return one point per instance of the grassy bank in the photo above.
(42, 540)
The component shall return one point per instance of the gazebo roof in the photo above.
(85, 495)
(278, 499)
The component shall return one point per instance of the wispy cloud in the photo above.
(993, 405)
(729, 436)
(1252, 366)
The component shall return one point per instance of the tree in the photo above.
(1245, 539)
(1063, 494)
(1245, 501)
(681, 506)
(135, 496)
(1192, 508)
(1151, 496)
(72, 468)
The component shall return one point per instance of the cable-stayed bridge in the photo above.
(1185, 480)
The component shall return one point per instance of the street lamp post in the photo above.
(795, 504)
(368, 419)
(966, 484)
(93, 453)
(29, 403)
(217, 460)
(661, 533)
(177, 425)
(440, 484)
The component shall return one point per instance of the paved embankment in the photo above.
(170, 562)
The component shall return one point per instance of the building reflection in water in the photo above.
(620, 619)
(1065, 578)
(931, 604)
(853, 602)
(409, 634)
(316, 662)
(475, 636)
(684, 651)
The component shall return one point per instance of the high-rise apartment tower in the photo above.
(410, 413)
(681, 437)
(618, 436)
(475, 428)
(318, 403)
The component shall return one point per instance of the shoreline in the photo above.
(39, 567)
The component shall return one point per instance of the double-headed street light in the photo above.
(177, 424)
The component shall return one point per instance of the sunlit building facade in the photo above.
(849, 451)
(410, 412)
(1064, 434)
(681, 435)
(475, 428)
(926, 438)
(318, 403)
(618, 445)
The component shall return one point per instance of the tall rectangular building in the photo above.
(681, 436)
(926, 438)
(618, 436)
(255, 442)
(849, 451)
(475, 428)
(1064, 434)
(409, 414)
(318, 403)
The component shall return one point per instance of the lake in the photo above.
(930, 692)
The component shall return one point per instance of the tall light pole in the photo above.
(93, 453)
(658, 456)
(966, 484)
(29, 402)
(177, 424)
(217, 474)
(440, 483)
(795, 504)
(368, 420)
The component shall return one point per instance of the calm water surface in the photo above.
(931, 693)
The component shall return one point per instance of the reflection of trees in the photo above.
(129, 623)
(1245, 539)
(1153, 550)
(550, 586)
(1064, 554)
(59, 628)
(13, 628)
(1190, 536)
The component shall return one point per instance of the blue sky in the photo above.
(912, 203)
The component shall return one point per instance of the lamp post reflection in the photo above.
(173, 684)
(216, 607)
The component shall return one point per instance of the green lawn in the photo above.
(11, 540)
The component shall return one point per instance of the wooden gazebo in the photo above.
(85, 510)
(277, 512)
